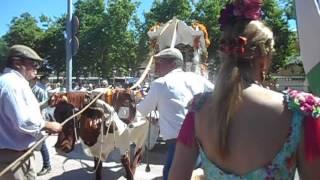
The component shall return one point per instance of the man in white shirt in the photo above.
(170, 94)
(20, 117)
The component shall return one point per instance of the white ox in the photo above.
(121, 138)
(101, 130)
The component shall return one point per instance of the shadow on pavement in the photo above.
(82, 174)
(157, 154)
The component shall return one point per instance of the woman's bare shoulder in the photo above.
(266, 98)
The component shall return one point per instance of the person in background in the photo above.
(43, 83)
(170, 94)
(40, 91)
(21, 121)
(104, 84)
(243, 130)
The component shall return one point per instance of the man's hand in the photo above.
(53, 127)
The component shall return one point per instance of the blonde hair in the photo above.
(235, 73)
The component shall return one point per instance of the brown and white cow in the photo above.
(101, 130)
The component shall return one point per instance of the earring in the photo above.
(263, 76)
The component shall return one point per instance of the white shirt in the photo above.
(171, 95)
(20, 116)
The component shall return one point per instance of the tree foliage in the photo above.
(113, 37)
(285, 40)
(163, 10)
(24, 30)
(3, 52)
(52, 46)
(208, 12)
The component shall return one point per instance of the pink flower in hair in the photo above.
(240, 9)
(248, 9)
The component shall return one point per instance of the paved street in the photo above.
(112, 169)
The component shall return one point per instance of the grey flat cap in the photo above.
(169, 53)
(22, 51)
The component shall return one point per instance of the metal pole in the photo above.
(68, 47)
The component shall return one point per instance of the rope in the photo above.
(101, 143)
(75, 127)
(144, 74)
(46, 136)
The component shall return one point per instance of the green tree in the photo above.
(122, 40)
(24, 30)
(92, 33)
(164, 10)
(3, 53)
(208, 13)
(52, 46)
(285, 40)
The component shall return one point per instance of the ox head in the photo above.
(88, 126)
(91, 124)
(123, 101)
(66, 138)
(65, 105)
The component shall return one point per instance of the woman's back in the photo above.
(256, 135)
(245, 131)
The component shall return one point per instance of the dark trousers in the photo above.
(24, 170)
(45, 155)
(170, 155)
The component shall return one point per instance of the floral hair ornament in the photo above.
(236, 47)
(240, 9)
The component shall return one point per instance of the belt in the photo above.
(171, 141)
(12, 151)
(10, 155)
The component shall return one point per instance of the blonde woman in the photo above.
(243, 130)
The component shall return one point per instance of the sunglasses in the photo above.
(32, 63)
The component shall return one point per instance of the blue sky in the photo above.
(51, 8)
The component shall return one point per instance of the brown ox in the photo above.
(94, 123)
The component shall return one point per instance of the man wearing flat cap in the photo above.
(170, 94)
(20, 117)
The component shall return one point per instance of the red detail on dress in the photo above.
(187, 133)
(312, 138)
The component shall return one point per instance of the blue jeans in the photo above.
(45, 155)
(170, 156)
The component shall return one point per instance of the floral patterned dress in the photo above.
(283, 165)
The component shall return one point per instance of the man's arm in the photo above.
(25, 116)
(151, 100)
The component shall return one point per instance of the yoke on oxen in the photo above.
(100, 128)
(122, 100)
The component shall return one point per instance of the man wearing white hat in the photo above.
(170, 94)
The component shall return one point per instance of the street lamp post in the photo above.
(68, 47)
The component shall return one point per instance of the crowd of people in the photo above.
(234, 129)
